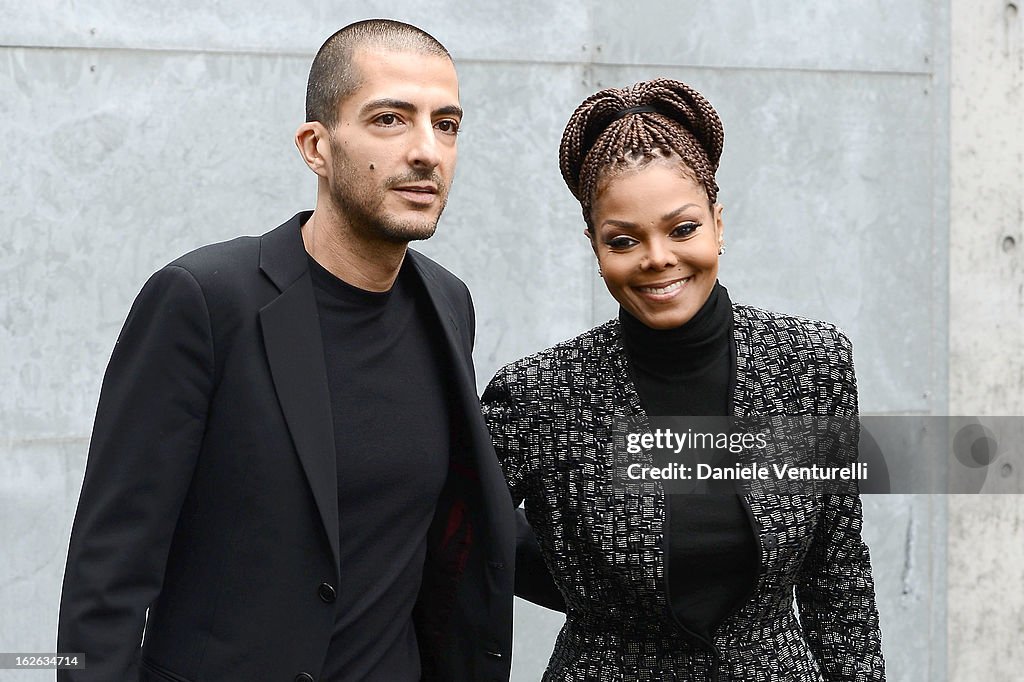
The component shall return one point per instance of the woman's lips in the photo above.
(663, 291)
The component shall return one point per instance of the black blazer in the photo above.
(210, 494)
(554, 417)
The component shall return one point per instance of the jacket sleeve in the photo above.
(835, 593)
(145, 443)
(513, 436)
(533, 580)
(510, 431)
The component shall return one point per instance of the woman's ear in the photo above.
(590, 238)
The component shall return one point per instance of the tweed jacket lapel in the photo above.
(625, 388)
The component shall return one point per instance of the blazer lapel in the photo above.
(294, 346)
(467, 404)
(461, 364)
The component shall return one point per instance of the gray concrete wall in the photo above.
(986, 283)
(131, 132)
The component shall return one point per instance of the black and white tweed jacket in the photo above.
(553, 416)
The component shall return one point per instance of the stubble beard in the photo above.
(363, 208)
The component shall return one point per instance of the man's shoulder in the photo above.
(220, 258)
(434, 273)
(244, 255)
(230, 274)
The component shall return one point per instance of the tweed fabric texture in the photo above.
(554, 419)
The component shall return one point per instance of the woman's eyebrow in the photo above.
(675, 213)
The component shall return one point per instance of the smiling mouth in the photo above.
(668, 289)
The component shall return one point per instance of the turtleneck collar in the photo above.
(683, 351)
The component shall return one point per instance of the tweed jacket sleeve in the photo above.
(511, 427)
(835, 591)
(513, 430)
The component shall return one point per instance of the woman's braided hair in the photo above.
(614, 129)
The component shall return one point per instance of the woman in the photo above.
(670, 586)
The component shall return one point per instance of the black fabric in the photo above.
(689, 371)
(209, 510)
(533, 581)
(390, 412)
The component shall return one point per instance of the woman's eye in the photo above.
(620, 242)
(448, 126)
(685, 230)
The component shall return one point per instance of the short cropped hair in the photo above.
(333, 76)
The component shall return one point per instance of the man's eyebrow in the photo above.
(450, 110)
(387, 103)
(402, 105)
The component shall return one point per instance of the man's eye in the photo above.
(448, 126)
(387, 119)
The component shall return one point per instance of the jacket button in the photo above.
(304, 677)
(494, 654)
(328, 594)
(770, 540)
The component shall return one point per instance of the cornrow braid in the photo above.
(616, 129)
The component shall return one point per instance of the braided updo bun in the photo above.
(617, 129)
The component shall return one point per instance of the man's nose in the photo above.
(424, 149)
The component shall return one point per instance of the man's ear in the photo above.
(314, 145)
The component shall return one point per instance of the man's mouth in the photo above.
(417, 194)
(429, 189)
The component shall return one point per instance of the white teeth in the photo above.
(666, 289)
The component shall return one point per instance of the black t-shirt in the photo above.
(386, 368)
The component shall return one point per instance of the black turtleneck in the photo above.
(690, 371)
(685, 371)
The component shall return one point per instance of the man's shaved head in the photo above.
(333, 76)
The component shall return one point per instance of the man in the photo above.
(288, 467)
